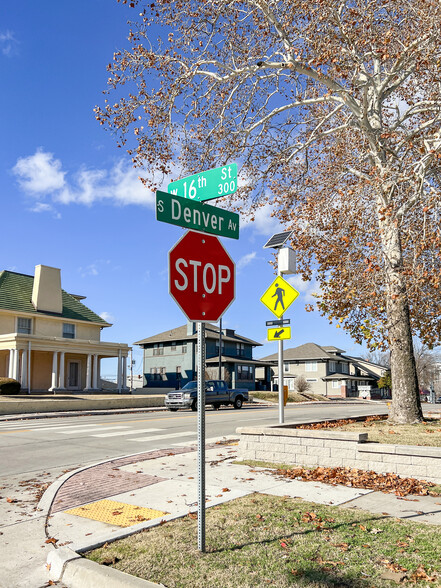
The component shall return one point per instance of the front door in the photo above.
(73, 376)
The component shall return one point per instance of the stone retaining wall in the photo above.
(331, 448)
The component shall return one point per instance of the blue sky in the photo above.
(70, 198)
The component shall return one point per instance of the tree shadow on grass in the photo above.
(316, 572)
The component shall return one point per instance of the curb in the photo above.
(71, 413)
(137, 409)
(67, 566)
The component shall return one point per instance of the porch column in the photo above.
(95, 372)
(15, 364)
(119, 375)
(61, 382)
(54, 372)
(11, 363)
(124, 372)
(89, 372)
(24, 368)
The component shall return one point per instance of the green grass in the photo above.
(262, 540)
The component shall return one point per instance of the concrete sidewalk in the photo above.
(88, 507)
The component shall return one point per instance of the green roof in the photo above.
(16, 294)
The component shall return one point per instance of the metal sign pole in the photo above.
(201, 436)
(280, 363)
(281, 393)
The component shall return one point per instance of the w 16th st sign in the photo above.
(176, 210)
(213, 183)
(201, 277)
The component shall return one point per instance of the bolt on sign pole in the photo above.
(201, 435)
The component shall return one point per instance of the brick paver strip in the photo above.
(107, 479)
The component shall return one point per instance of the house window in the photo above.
(336, 383)
(240, 349)
(173, 346)
(184, 347)
(332, 366)
(286, 367)
(244, 372)
(24, 325)
(158, 349)
(344, 368)
(217, 347)
(68, 331)
(310, 366)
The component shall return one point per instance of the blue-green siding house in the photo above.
(170, 358)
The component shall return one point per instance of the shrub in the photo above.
(301, 385)
(9, 386)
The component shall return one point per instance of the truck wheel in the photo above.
(173, 409)
(194, 405)
(238, 402)
(216, 406)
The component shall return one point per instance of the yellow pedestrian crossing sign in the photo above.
(279, 333)
(279, 296)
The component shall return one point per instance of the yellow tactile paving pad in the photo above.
(115, 513)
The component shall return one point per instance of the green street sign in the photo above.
(206, 185)
(195, 215)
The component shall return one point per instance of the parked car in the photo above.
(217, 393)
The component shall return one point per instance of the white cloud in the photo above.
(90, 270)
(263, 223)
(245, 260)
(94, 268)
(120, 185)
(45, 207)
(39, 174)
(42, 177)
(308, 289)
(8, 43)
(106, 316)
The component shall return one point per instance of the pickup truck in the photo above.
(216, 394)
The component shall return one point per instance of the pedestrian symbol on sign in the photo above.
(280, 293)
(279, 296)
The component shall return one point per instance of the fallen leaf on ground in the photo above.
(51, 540)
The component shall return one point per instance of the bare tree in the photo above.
(378, 357)
(427, 364)
(301, 385)
(333, 110)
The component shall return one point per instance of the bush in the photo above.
(9, 386)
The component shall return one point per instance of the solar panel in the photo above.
(278, 240)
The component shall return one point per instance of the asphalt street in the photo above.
(33, 445)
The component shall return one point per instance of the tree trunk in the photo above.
(406, 404)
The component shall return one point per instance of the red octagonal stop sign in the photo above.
(201, 276)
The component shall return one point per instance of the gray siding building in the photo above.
(326, 369)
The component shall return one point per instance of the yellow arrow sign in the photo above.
(279, 296)
(279, 334)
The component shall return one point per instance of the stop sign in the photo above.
(201, 276)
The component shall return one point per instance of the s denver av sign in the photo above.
(190, 214)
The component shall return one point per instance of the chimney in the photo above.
(46, 292)
(191, 328)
